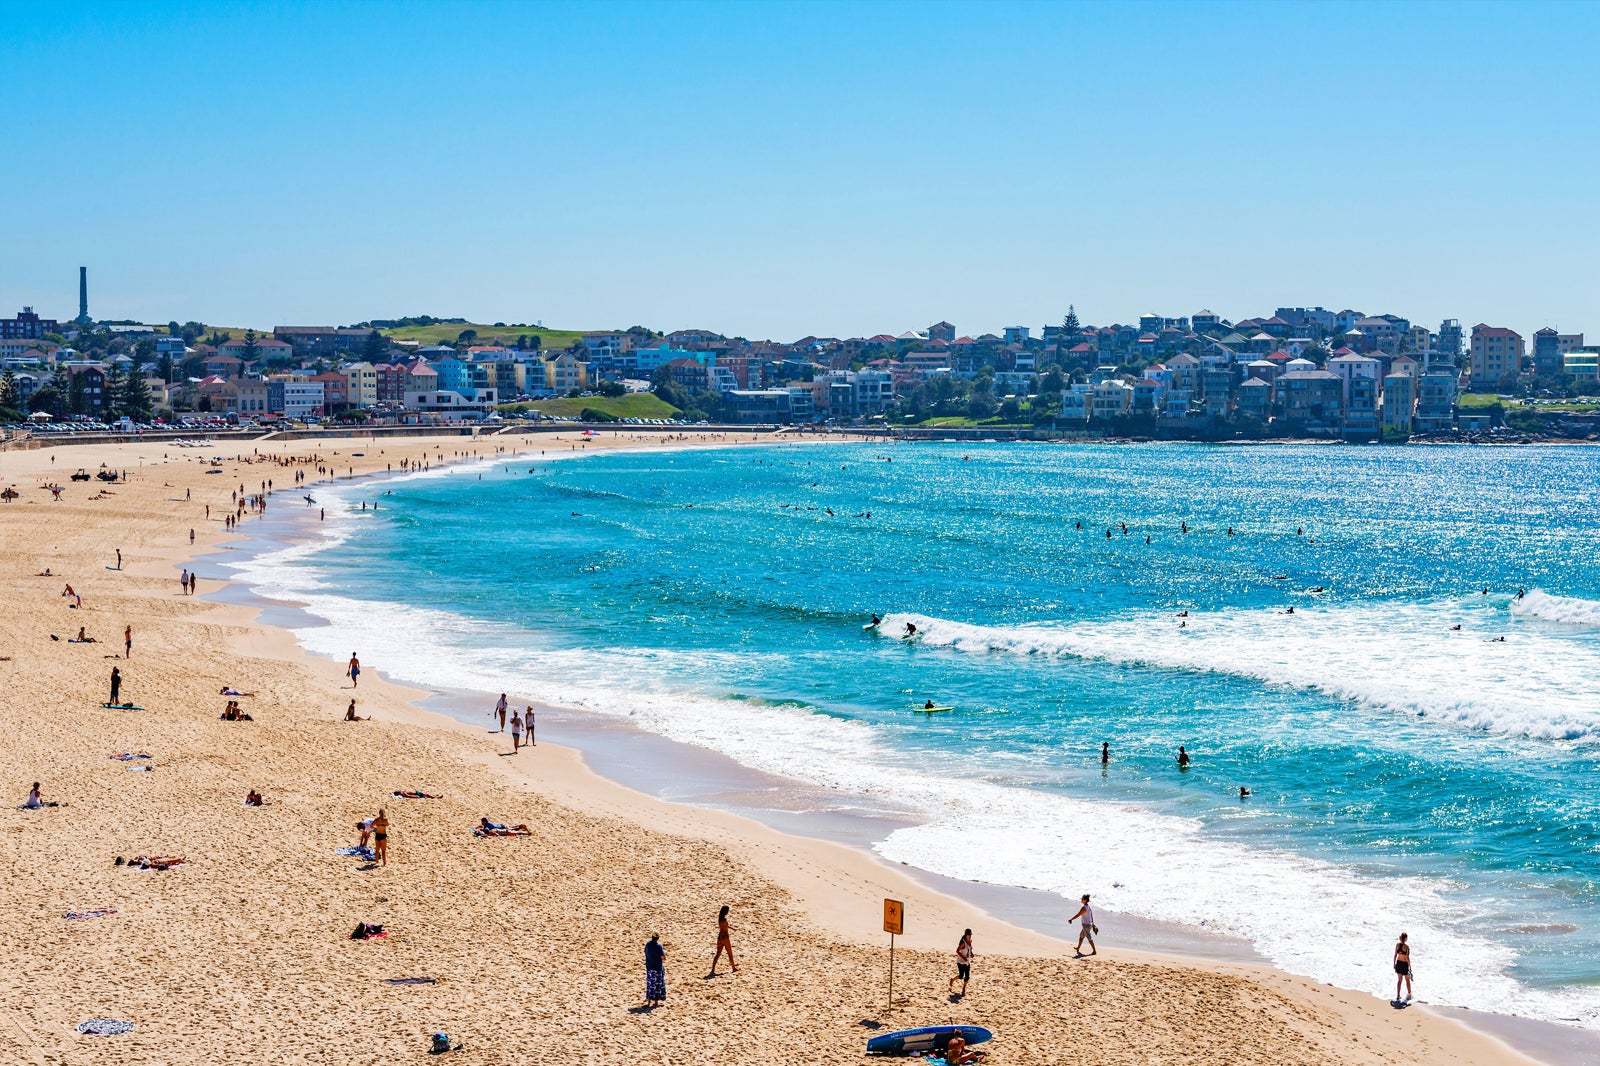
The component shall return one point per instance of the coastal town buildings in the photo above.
(1495, 353)
(1299, 371)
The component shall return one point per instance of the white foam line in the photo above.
(1401, 657)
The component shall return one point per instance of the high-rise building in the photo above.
(1496, 352)
(83, 318)
(1449, 341)
(1547, 353)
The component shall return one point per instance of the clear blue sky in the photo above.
(776, 170)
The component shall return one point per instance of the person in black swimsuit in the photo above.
(1402, 969)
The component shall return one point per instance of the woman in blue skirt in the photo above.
(655, 972)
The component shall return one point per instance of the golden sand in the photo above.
(242, 955)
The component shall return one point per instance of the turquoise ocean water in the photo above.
(1406, 774)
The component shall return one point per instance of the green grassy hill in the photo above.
(446, 333)
(633, 405)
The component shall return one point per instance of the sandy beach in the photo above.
(534, 945)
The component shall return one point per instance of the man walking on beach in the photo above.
(354, 671)
(1087, 929)
(500, 709)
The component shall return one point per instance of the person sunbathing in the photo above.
(228, 690)
(409, 795)
(82, 638)
(350, 714)
(495, 829)
(253, 799)
(157, 862)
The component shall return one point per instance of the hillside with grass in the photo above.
(449, 332)
(633, 405)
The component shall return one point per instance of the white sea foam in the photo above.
(1567, 610)
(1310, 917)
(1403, 658)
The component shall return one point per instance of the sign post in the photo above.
(894, 923)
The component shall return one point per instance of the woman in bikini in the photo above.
(1402, 969)
(380, 838)
(723, 942)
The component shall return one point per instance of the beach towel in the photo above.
(411, 981)
(90, 914)
(104, 1027)
(356, 853)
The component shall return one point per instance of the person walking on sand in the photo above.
(963, 963)
(516, 732)
(1086, 928)
(116, 686)
(500, 709)
(655, 972)
(527, 723)
(353, 671)
(127, 642)
(1402, 969)
(119, 558)
(724, 944)
(380, 838)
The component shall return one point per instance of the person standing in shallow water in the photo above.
(655, 972)
(1402, 969)
(1105, 753)
(1183, 757)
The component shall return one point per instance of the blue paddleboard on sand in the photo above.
(919, 1041)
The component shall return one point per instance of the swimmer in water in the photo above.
(1244, 793)
(1183, 527)
(1289, 611)
(1455, 629)
(1183, 757)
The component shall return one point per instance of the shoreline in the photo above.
(637, 760)
(833, 881)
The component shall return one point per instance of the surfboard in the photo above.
(931, 1038)
(931, 710)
